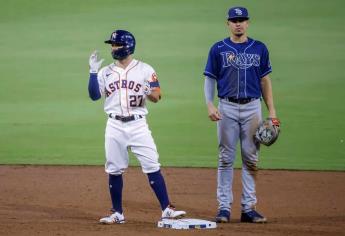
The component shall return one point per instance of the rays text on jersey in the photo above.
(240, 60)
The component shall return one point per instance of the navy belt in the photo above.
(125, 118)
(240, 100)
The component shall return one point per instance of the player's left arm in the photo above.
(155, 95)
(152, 88)
(267, 94)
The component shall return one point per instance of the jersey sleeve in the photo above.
(265, 65)
(152, 78)
(211, 68)
(101, 80)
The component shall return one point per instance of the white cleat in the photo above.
(115, 218)
(171, 213)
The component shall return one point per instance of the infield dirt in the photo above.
(69, 200)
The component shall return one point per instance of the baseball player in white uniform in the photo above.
(126, 84)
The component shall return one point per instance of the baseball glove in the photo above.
(268, 131)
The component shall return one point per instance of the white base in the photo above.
(186, 224)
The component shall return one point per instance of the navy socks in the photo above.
(115, 188)
(157, 183)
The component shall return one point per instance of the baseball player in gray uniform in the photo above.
(240, 68)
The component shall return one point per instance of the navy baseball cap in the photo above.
(238, 12)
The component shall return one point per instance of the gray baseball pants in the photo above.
(239, 123)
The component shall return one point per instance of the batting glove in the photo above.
(94, 62)
(147, 88)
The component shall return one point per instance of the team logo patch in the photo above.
(238, 11)
(154, 77)
(113, 36)
(231, 57)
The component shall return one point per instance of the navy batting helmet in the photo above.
(122, 38)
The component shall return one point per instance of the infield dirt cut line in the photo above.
(69, 200)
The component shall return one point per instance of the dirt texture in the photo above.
(69, 200)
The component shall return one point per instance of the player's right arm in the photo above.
(94, 88)
(94, 92)
(211, 72)
(209, 90)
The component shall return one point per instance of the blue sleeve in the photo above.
(94, 92)
(265, 65)
(211, 69)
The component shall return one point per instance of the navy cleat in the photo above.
(252, 217)
(223, 216)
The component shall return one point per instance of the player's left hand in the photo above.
(268, 131)
(94, 62)
(275, 121)
(147, 88)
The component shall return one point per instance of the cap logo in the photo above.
(238, 11)
(113, 35)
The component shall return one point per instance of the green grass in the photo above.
(47, 118)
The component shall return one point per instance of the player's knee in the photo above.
(251, 165)
(250, 159)
(225, 162)
(226, 156)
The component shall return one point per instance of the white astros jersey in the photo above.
(123, 88)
